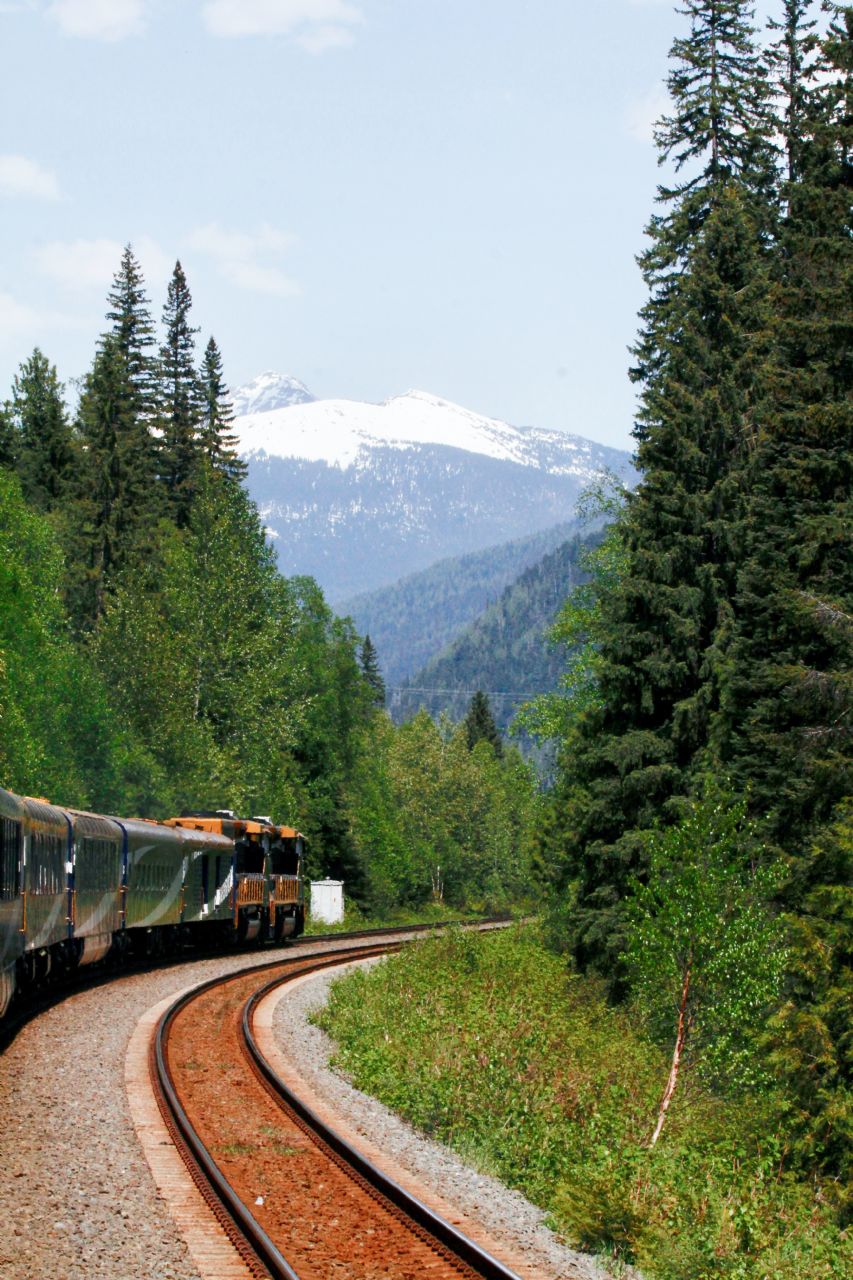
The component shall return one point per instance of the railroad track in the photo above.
(297, 1201)
(56, 989)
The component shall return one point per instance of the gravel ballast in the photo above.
(503, 1212)
(77, 1200)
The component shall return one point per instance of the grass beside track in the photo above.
(355, 919)
(487, 1043)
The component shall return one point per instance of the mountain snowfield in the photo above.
(337, 431)
(359, 495)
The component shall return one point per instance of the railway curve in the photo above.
(363, 1225)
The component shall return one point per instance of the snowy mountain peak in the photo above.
(359, 494)
(269, 391)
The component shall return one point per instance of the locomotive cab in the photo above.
(286, 900)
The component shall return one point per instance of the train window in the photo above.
(10, 858)
(205, 879)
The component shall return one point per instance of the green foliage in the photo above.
(439, 822)
(488, 1044)
(218, 442)
(480, 725)
(59, 734)
(369, 662)
(179, 400)
(702, 941)
(43, 448)
(810, 1038)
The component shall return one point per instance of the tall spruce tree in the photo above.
(784, 730)
(369, 662)
(480, 724)
(179, 401)
(218, 442)
(699, 362)
(117, 503)
(132, 332)
(792, 66)
(44, 445)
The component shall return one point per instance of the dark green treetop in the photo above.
(480, 724)
(369, 663)
(44, 445)
(179, 400)
(133, 334)
(117, 500)
(218, 442)
(8, 438)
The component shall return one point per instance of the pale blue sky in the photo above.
(372, 195)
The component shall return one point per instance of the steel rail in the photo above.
(28, 1005)
(427, 1219)
(240, 1224)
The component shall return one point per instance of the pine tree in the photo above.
(793, 70)
(785, 726)
(133, 334)
(369, 663)
(480, 724)
(44, 446)
(699, 360)
(8, 438)
(784, 730)
(180, 401)
(218, 441)
(118, 502)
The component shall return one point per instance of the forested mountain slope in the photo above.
(411, 622)
(504, 651)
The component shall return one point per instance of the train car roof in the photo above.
(11, 806)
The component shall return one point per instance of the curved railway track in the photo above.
(297, 1201)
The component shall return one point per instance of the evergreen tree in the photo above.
(44, 446)
(369, 663)
(785, 726)
(480, 724)
(8, 438)
(180, 401)
(784, 730)
(218, 441)
(793, 71)
(117, 503)
(664, 624)
(133, 336)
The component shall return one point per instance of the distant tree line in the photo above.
(152, 658)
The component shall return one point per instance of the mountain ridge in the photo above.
(360, 495)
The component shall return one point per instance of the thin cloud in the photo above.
(19, 320)
(247, 259)
(316, 24)
(319, 39)
(22, 177)
(108, 20)
(80, 266)
(643, 113)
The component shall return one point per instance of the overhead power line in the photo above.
(468, 693)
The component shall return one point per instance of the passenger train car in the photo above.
(77, 887)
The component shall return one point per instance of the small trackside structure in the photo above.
(327, 901)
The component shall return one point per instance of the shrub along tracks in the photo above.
(296, 1199)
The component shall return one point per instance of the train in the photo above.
(77, 888)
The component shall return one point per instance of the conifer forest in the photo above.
(691, 853)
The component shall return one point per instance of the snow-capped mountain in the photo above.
(358, 495)
(269, 391)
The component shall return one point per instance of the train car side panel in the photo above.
(12, 816)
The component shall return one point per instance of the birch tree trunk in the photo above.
(680, 1037)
